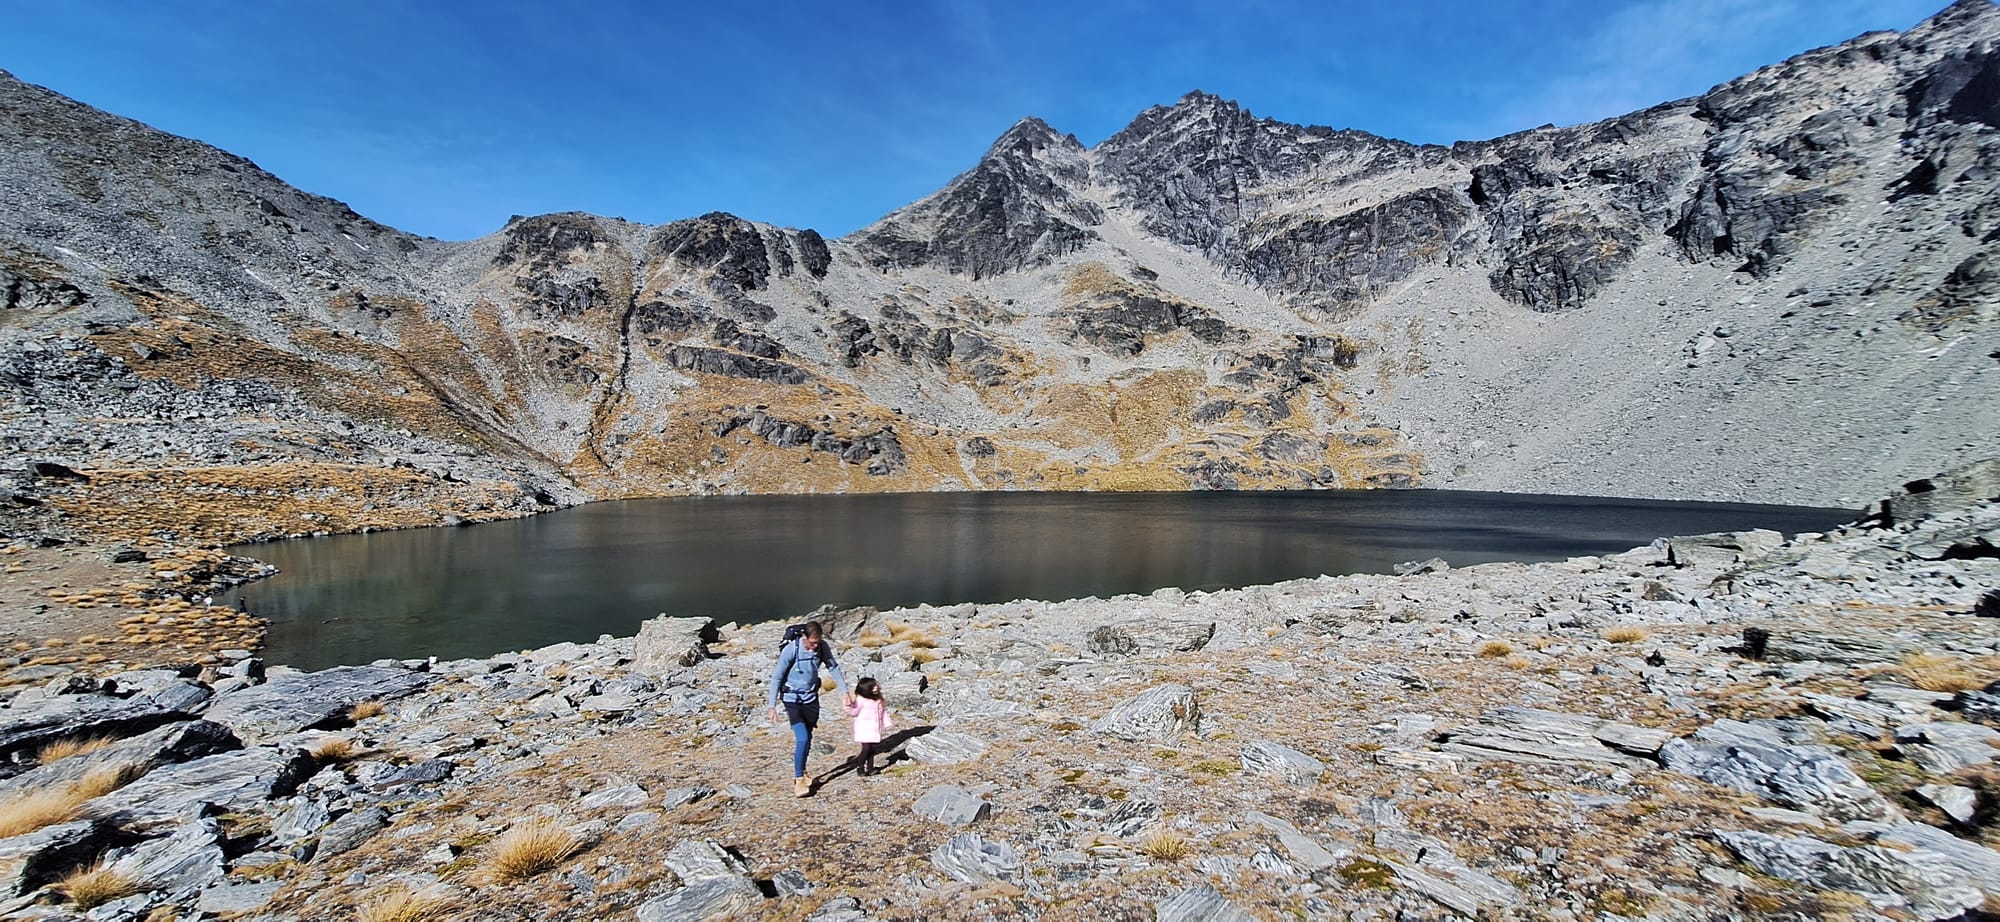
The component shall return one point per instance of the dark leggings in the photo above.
(804, 716)
(868, 756)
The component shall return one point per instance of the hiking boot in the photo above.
(802, 787)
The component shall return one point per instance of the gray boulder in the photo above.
(1161, 714)
(967, 858)
(1943, 747)
(33, 859)
(711, 898)
(351, 830)
(694, 861)
(177, 865)
(1933, 889)
(665, 644)
(1756, 759)
(292, 703)
(1963, 488)
(1722, 549)
(1150, 637)
(950, 805)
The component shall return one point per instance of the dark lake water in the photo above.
(604, 568)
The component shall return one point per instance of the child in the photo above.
(871, 717)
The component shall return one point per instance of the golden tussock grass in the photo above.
(37, 809)
(530, 848)
(365, 710)
(73, 746)
(335, 749)
(102, 781)
(404, 906)
(50, 806)
(921, 657)
(1494, 649)
(1165, 845)
(872, 639)
(1940, 673)
(910, 634)
(1628, 634)
(96, 885)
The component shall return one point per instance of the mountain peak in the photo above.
(1028, 137)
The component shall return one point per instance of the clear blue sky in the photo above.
(444, 118)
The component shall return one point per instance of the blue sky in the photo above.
(444, 118)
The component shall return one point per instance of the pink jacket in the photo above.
(871, 717)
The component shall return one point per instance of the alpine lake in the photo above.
(604, 568)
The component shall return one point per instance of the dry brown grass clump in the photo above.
(1494, 649)
(910, 634)
(37, 809)
(49, 806)
(1628, 634)
(923, 656)
(1165, 845)
(365, 710)
(532, 847)
(73, 746)
(335, 749)
(96, 885)
(871, 638)
(404, 906)
(102, 781)
(1939, 673)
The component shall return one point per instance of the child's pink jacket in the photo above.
(871, 717)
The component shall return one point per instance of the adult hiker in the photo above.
(795, 685)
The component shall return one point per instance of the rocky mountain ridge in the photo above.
(1776, 291)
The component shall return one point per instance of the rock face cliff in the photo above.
(1777, 291)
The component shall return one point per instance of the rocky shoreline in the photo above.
(1719, 726)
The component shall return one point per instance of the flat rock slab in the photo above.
(134, 757)
(229, 782)
(713, 898)
(945, 747)
(1263, 757)
(293, 703)
(237, 897)
(1200, 904)
(187, 860)
(34, 724)
(1533, 735)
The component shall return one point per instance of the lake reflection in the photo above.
(606, 567)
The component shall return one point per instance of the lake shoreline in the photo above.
(1554, 740)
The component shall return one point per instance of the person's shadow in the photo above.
(889, 753)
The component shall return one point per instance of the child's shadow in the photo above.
(887, 754)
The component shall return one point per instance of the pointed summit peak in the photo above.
(1199, 101)
(1028, 137)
